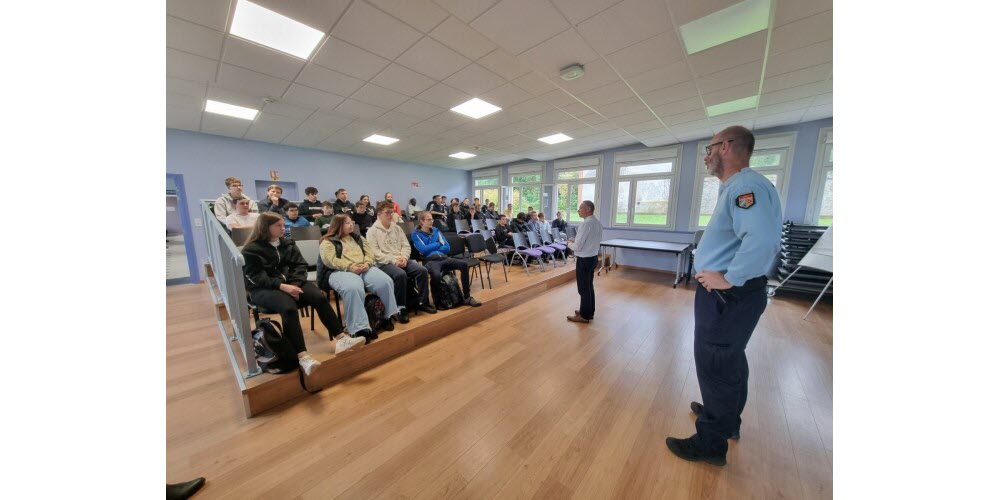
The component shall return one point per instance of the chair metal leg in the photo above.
(820, 296)
(488, 279)
(504, 265)
(479, 268)
(312, 318)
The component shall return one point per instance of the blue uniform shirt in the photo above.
(744, 234)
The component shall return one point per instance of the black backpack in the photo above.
(449, 294)
(376, 312)
(274, 352)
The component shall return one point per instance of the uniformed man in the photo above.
(734, 256)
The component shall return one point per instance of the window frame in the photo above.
(524, 169)
(477, 191)
(674, 154)
(824, 143)
(783, 142)
(592, 162)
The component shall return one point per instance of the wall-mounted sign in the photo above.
(274, 175)
(414, 184)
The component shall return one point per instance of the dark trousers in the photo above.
(402, 278)
(437, 267)
(283, 304)
(721, 333)
(585, 267)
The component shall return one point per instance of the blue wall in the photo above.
(206, 160)
(800, 178)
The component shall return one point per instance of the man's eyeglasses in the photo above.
(708, 149)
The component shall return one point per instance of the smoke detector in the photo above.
(571, 72)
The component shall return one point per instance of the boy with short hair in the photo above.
(311, 208)
(324, 220)
(225, 204)
(293, 219)
(274, 202)
(243, 217)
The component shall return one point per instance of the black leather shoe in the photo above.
(367, 334)
(387, 324)
(404, 317)
(183, 491)
(427, 308)
(689, 450)
(698, 409)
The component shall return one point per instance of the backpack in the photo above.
(274, 353)
(376, 312)
(448, 293)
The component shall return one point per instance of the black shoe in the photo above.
(471, 301)
(427, 308)
(689, 450)
(387, 324)
(183, 491)
(404, 317)
(367, 334)
(698, 409)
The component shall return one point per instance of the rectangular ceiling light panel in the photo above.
(221, 108)
(462, 155)
(476, 108)
(556, 139)
(726, 25)
(381, 139)
(270, 29)
(732, 106)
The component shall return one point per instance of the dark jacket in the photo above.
(265, 205)
(559, 224)
(517, 226)
(501, 234)
(364, 220)
(269, 267)
(343, 207)
(311, 209)
(453, 216)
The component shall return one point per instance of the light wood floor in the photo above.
(523, 405)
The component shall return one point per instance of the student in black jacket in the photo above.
(363, 217)
(275, 275)
(456, 213)
(274, 202)
(311, 208)
(342, 205)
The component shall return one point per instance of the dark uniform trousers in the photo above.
(414, 273)
(283, 304)
(721, 333)
(585, 267)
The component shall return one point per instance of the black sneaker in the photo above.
(471, 301)
(698, 409)
(689, 450)
(404, 317)
(367, 334)
(427, 308)
(387, 324)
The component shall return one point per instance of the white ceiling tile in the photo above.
(461, 38)
(271, 128)
(796, 78)
(190, 67)
(360, 109)
(559, 98)
(185, 102)
(598, 74)
(230, 96)
(184, 119)
(786, 12)
(444, 96)
(651, 53)
(684, 118)
(744, 118)
(212, 123)
(327, 80)
(531, 107)
(731, 94)
(192, 38)
(818, 112)
(577, 109)
(379, 96)
(421, 14)
(397, 120)
(678, 107)
(311, 97)
(804, 57)
(562, 50)
(685, 11)
(607, 94)
(728, 55)
(674, 93)
(658, 78)
(502, 63)
(288, 110)
(316, 128)
(403, 80)
(374, 30)
(317, 14)
(337, 142)
(744, 73)
(784, 107)
(466, 10)
(802, 33)
(623, 107)
(261, 59)
(653, 140)
(428, 128)
(419, 109)
(209, 13)
(345, 58)
(506, 95)
(475, 80)
(625, 24)
(823, 99)
(534, 84)
(644, 127)
(775, 120)
(433, 59)
(518, 25)
(578, 11)
(640, 116)
(186, 87)
(794, 93)
(251, 82)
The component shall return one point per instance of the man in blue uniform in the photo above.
(734, 256)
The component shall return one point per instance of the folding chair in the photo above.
(523, 250)
(493, 256)
(536, 242)
(477, 224)
(559, 247)
(457, 244)
(491, 224)
(306, 233)
(462, 226)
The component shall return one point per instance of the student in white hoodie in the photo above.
(226, 204)
(242, 217)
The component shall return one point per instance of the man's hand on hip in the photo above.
(713, 280)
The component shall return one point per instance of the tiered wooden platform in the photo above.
(266, 391)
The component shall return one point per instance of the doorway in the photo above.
(181, 258)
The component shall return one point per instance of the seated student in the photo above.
(275, 275)
(395, 206)
(491, 211)
(534, 227)
(509, 212)
(225, 205)
(342, 205)
(456, 213)
(501, 235)
(243, 217)
(351, 258)
(520, 223)
(362, 217)
(465, 205)
(293, 219)
(391, 250)
(475, 214)
(324, 220)
(543, 227)
(434, 248)
(412, 209)
(274, 202)
(311, 208)
(560, 223)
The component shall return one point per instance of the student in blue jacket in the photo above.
(292, 218)
(433, 246)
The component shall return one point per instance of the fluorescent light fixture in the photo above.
(475, 108)
(462, 155)
(726, 25)
(222, 108)
(733, 106)
(381, 139)
(556, 139)
(268, 28)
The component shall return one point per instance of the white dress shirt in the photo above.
(588, 238)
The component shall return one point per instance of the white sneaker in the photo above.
(308, 364)
(346, 342)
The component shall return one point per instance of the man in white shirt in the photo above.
(586, 245)
(243, 217)
(391, 250)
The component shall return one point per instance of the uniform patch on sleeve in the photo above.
(745, 200)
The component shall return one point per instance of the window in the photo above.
(771, 158)
(821, 194)
(486, 186)
(645, 188)
(576, 180)
(525, 187)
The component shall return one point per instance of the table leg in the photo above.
(680, 262)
